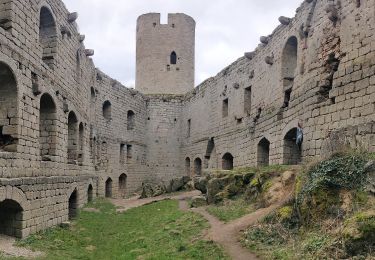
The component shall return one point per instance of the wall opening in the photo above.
(210, 156)
(90, 194)
(122, 181)
(287, 95)
(6, 14)
(122, 153)
(103, 158)
(81, 141)
(72, 137)
(289, 62)
(11, 216)
(263, 157)
(247, 100)
(291, 153)
(225, 107)
(108, 188)
(173, 58)
(107, 110)
(73, 205)
(8, 108)
(187, 167)
(197, 167)
(47, 127)
(227, 162)
(189, 128)
(47, 35)
(129, 152)
(131, 120)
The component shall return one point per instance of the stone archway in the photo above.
(122, 182)
(263, 152)
(108, 188)
(11, 216)
(227, 161)
(73, 205)
(90, 193)
(292, 155)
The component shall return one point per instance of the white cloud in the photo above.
(225, 29)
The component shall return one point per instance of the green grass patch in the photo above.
(156, 231)
(230, 210)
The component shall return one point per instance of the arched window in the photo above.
(72, 138)
(288, 69)
(8, 108)
(47, 35)
(108, 188)
(291, 152)
(131, 120)
(173, 58)
(187, 166)
(107, 110)
(47, 127)
(197, 167)
(73, 205)
(227, 162)
(263, 152)
(11, 216)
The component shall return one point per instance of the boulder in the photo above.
(198, 201)
(200, 183)
(178, 184)
(150, 190)
(215, 186)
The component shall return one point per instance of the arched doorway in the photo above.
(187, 167)
(197, 166)
(11, 216)
(291, 153)
(73, 205)
(227, 162)
(263, 155)
(122, 185)
(90, 193)
(108, 188)
(289, 64)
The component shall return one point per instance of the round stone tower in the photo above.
(165, 54)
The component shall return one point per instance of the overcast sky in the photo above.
(225, 30)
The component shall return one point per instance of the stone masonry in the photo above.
(70, 133)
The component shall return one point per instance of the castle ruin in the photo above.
(70, 133)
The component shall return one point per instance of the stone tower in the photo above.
(165, 54)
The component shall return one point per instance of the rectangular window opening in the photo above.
(247, 101)
(225, 107)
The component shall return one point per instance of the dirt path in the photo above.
(227, 235)
(8, 248)
(126, 204)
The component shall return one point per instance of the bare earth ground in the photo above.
(8, 248)
(227, 235)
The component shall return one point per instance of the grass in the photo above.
(230, 209)
(156, 231)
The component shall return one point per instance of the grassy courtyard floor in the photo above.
(156, 231)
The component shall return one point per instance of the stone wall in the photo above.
(69, 132)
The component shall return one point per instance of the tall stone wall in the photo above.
(315, 69)
(64, 133)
